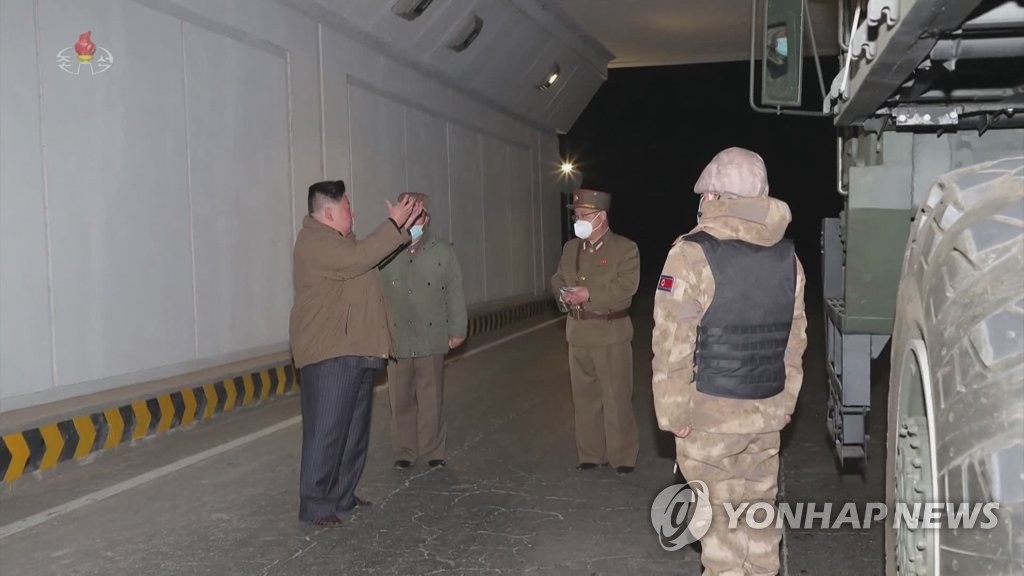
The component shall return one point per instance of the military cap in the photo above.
(592, 199)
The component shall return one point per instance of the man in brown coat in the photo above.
(340, 334)
(729, 337)
(597, 276)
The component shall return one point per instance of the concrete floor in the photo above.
(509, 502)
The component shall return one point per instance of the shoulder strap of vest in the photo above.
(697, 237)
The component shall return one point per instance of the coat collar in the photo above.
(318, 227)
(601, 242)
(427, 241)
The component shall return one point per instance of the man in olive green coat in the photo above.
(423, 285)
(339, 331)
(597, 276)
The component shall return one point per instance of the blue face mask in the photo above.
(782, 47)
(416, 231)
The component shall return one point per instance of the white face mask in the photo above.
(583, 229)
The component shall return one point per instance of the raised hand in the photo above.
(416, 212)
(401, 211)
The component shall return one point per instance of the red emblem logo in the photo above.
(85, 55)
(665, 283)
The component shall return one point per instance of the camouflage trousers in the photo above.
(737, 468)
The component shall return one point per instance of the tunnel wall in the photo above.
(150, 199)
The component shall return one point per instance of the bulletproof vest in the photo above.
(742, 338)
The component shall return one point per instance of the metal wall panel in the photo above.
(551, 200)
(26, 353)
(542, 243)
(497, 207)
(239, 158)
(378, 156)
(469, 233)
(117, 180)
(426, 152)
(522, 230)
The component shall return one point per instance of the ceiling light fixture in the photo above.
(467, 33)
(411, 9)
(551, 78)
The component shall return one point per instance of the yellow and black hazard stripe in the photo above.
(488, 321)
(44, 447)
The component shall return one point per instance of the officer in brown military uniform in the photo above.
(728, 342)
(597, 277)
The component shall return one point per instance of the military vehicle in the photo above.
(928, 253)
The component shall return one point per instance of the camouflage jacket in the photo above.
(677, 314)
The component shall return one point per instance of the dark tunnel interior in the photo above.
(648, 133)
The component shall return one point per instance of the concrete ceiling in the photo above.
(666, 32)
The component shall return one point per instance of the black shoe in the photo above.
(357, 502)
(623, 470)
(401, 464)
(328, 521)
(584, 466)
(437, 463)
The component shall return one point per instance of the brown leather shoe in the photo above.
(361, 502)
(331, 520)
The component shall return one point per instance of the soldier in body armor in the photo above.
(728, 343)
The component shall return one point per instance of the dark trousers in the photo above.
(337, 397)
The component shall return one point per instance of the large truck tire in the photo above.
(956, 393)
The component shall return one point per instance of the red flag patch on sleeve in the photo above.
(665, 283)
